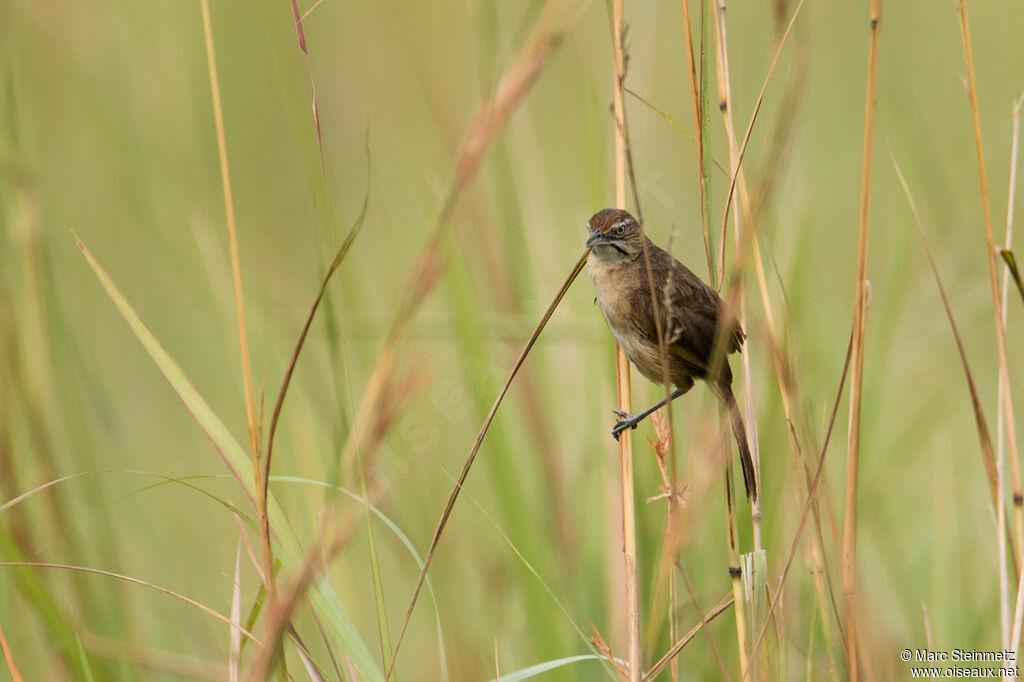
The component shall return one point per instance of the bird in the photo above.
(690, 313)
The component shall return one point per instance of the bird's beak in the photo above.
(597, 238)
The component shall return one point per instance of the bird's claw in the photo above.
(626, 421)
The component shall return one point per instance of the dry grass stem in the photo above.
(605, 649)
(622, 383)
(736, 300)
(849, 551)
(236, 273)
(997, 307)
(725, 96)
(660, 445)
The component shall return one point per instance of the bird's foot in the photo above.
(626, 421)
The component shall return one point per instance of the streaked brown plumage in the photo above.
(690, 313)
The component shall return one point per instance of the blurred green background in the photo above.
(106, 132)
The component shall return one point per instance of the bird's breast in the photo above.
(615, 297)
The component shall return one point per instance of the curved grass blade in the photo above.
(286, 381)
(443, 521)
(137, 581)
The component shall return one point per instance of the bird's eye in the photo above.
(620, 229)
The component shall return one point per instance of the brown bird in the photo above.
(690, 313)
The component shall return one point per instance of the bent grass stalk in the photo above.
(471, 457)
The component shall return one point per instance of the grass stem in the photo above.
(849, 551)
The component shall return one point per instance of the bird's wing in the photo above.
(690, 311)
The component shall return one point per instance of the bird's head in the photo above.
(614, 235)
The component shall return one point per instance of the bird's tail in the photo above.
(740, 431)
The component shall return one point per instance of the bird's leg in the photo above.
(630, 421)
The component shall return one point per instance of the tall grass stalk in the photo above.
(236, 278)
(849, 555)
(735, 569)
(741, 223)
(1006, 395)
(624, 169)
(735, 294)
(622, 382)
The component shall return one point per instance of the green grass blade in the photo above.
(324, 600)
